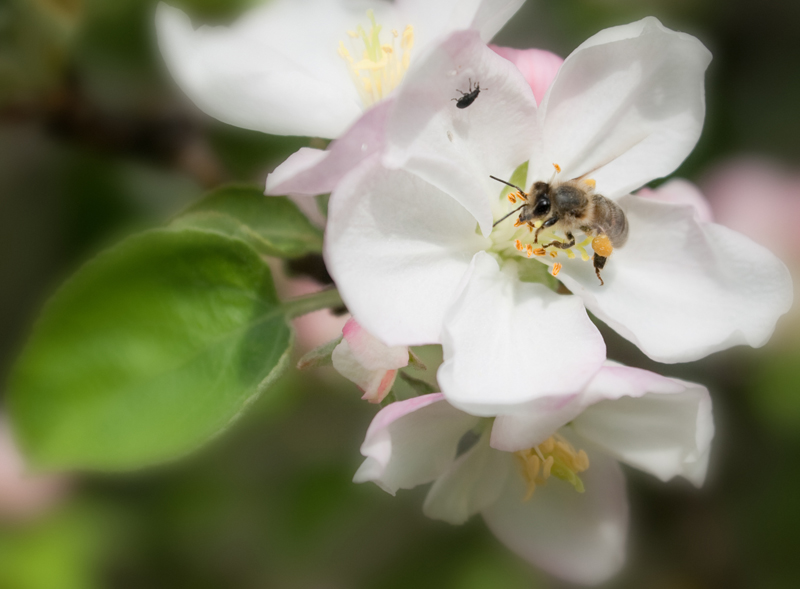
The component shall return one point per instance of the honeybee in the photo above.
(570, 206)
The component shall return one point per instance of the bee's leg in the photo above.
(561, 244)
(599, 264)
(549, 223)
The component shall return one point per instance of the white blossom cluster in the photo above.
(532, 419)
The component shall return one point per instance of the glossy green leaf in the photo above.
(271, 224)
(148, 351)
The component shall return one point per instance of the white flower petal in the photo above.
(507, 342)
(627, 106)
(275, 70)
(431, 20)
(681, 290)
(471, 483)
(398, 248)
(309, 172)
(412, 442)
(531, 424)
(681, 192)
(579, 537)
(657, 424)
(457, 149)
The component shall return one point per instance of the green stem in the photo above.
(323, 299)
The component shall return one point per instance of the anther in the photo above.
(518, 245)
(517, 223)
(558, 168)
(512, 198)
(556, 269)
(539, 251)
(553, 254)
(529, 250)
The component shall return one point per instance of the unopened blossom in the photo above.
(545, 476)
(312, 67)
(626, 107)
(368, 362)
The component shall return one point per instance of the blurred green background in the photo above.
(96, 141)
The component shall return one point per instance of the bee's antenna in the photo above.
(508, 184)
(508, 215)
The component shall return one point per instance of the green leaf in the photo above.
(273, 225)
(148, 351)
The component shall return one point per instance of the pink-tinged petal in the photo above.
(260, 73)
(660, 425)
(457, 149)
(508, 342)
(370, 351)
(681, 192)
(538, 67)
(579, 537)
(374, 382)
(398, 248)
(758, 198)
(412, 442)
(531, 424)
(309, 172)
(471, 483)
(680, 289)
(627, 106)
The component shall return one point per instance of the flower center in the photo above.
(555, 456)
(514, 239)
(382, 65)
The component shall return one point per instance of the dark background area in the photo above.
(96, 141)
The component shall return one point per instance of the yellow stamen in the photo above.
(555, 456)
(518, 245)
(529, 250)
(554, 254)
(512, 198)
(556, 269)
(540, 251)
(382, 67)
(558, 168)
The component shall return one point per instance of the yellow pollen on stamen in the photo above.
(518, 245)
(553, 457)
(556, 269)
(539, 251)
(558, 168)
(383, 65)
(553, 254)
(529, 250)
(512, 198)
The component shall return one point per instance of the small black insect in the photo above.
(468, 98)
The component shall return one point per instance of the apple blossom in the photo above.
(627, 106)
(759, 198)
(545, 476)
(311, 67)
(368, 362)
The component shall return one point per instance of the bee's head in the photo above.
(539, 205)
